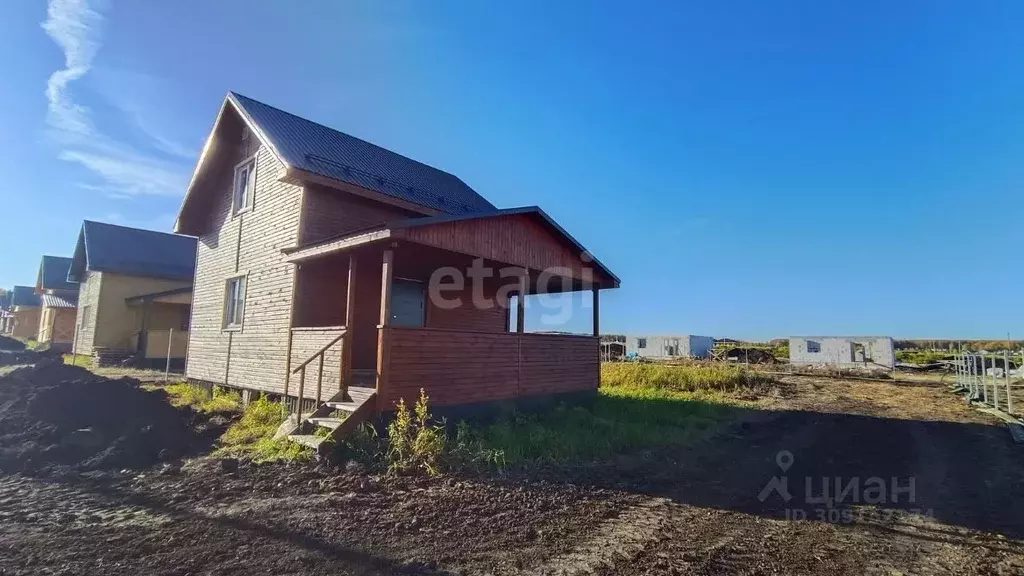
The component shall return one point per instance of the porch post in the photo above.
(143, 343)
(521, 301)
(346, 345)
(597, 310)
(386, 272)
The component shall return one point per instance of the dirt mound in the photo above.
(16, 357)
(55, 416)
(8, 343)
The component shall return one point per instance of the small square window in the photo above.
(813, 347)
(234, 302)
(641, 342)
(244, 185)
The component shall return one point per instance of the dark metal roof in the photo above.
(24, 296)
(53, 274)
(5, 300)
(54, 301)
(133, 252)
(332, 154)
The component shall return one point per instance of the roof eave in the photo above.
(293, 175)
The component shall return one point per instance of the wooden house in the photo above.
(59, 303)
(318, 261)
(134, 293)
(25, 307)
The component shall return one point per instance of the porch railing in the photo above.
(319, 355)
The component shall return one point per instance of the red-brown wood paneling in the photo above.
(463, 367)
(518, 239)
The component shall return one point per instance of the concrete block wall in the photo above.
(840, 351)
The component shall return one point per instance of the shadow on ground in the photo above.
(818, 466)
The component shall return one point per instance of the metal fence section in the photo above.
(980, 376)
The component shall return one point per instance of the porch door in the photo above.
(408, 304)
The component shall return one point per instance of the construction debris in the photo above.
(56, 417)
(748, 355)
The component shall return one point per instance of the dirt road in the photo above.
(698, 511)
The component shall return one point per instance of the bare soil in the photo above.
(692, 511)
(55, 418)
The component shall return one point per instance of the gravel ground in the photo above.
(693, 511)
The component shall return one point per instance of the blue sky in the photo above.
(749, 169)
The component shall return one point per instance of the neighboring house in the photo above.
(59, 299)
(135, 292)
(6, 317)
(679, 346)
(25, 307)
(312, 241)
(843, 351)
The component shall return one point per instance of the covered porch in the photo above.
(161, 325)
(436, 303)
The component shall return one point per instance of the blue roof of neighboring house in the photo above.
(5, 300)
(133, 252)
(332, 154)
(53, 274)
(24, 296)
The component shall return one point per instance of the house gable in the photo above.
(310, 153)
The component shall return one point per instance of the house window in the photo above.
(641, 342)
(813, 347)
(86, 317)
(234, 302)
(245, 182)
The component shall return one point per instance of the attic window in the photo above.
(244, 185)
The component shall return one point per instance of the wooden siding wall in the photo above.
(255, 356)
(116, 322)
(88, 311)
(305, 343)
(57, 325)
(26, 322)
(516, 239)
(461, 367)
(327, 213)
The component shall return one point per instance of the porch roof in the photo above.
(510, 236)
(55, 301)
(175, 296)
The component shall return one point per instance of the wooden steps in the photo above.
(339, 416)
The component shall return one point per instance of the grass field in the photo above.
(638, 406)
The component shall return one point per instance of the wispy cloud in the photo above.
(75, 27)
(124, 170)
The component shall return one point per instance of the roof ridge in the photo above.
(378, 146)
(135, 228)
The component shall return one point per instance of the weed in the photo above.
(83, 360)
(253, 435)
(414, 442)
(223, 399)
